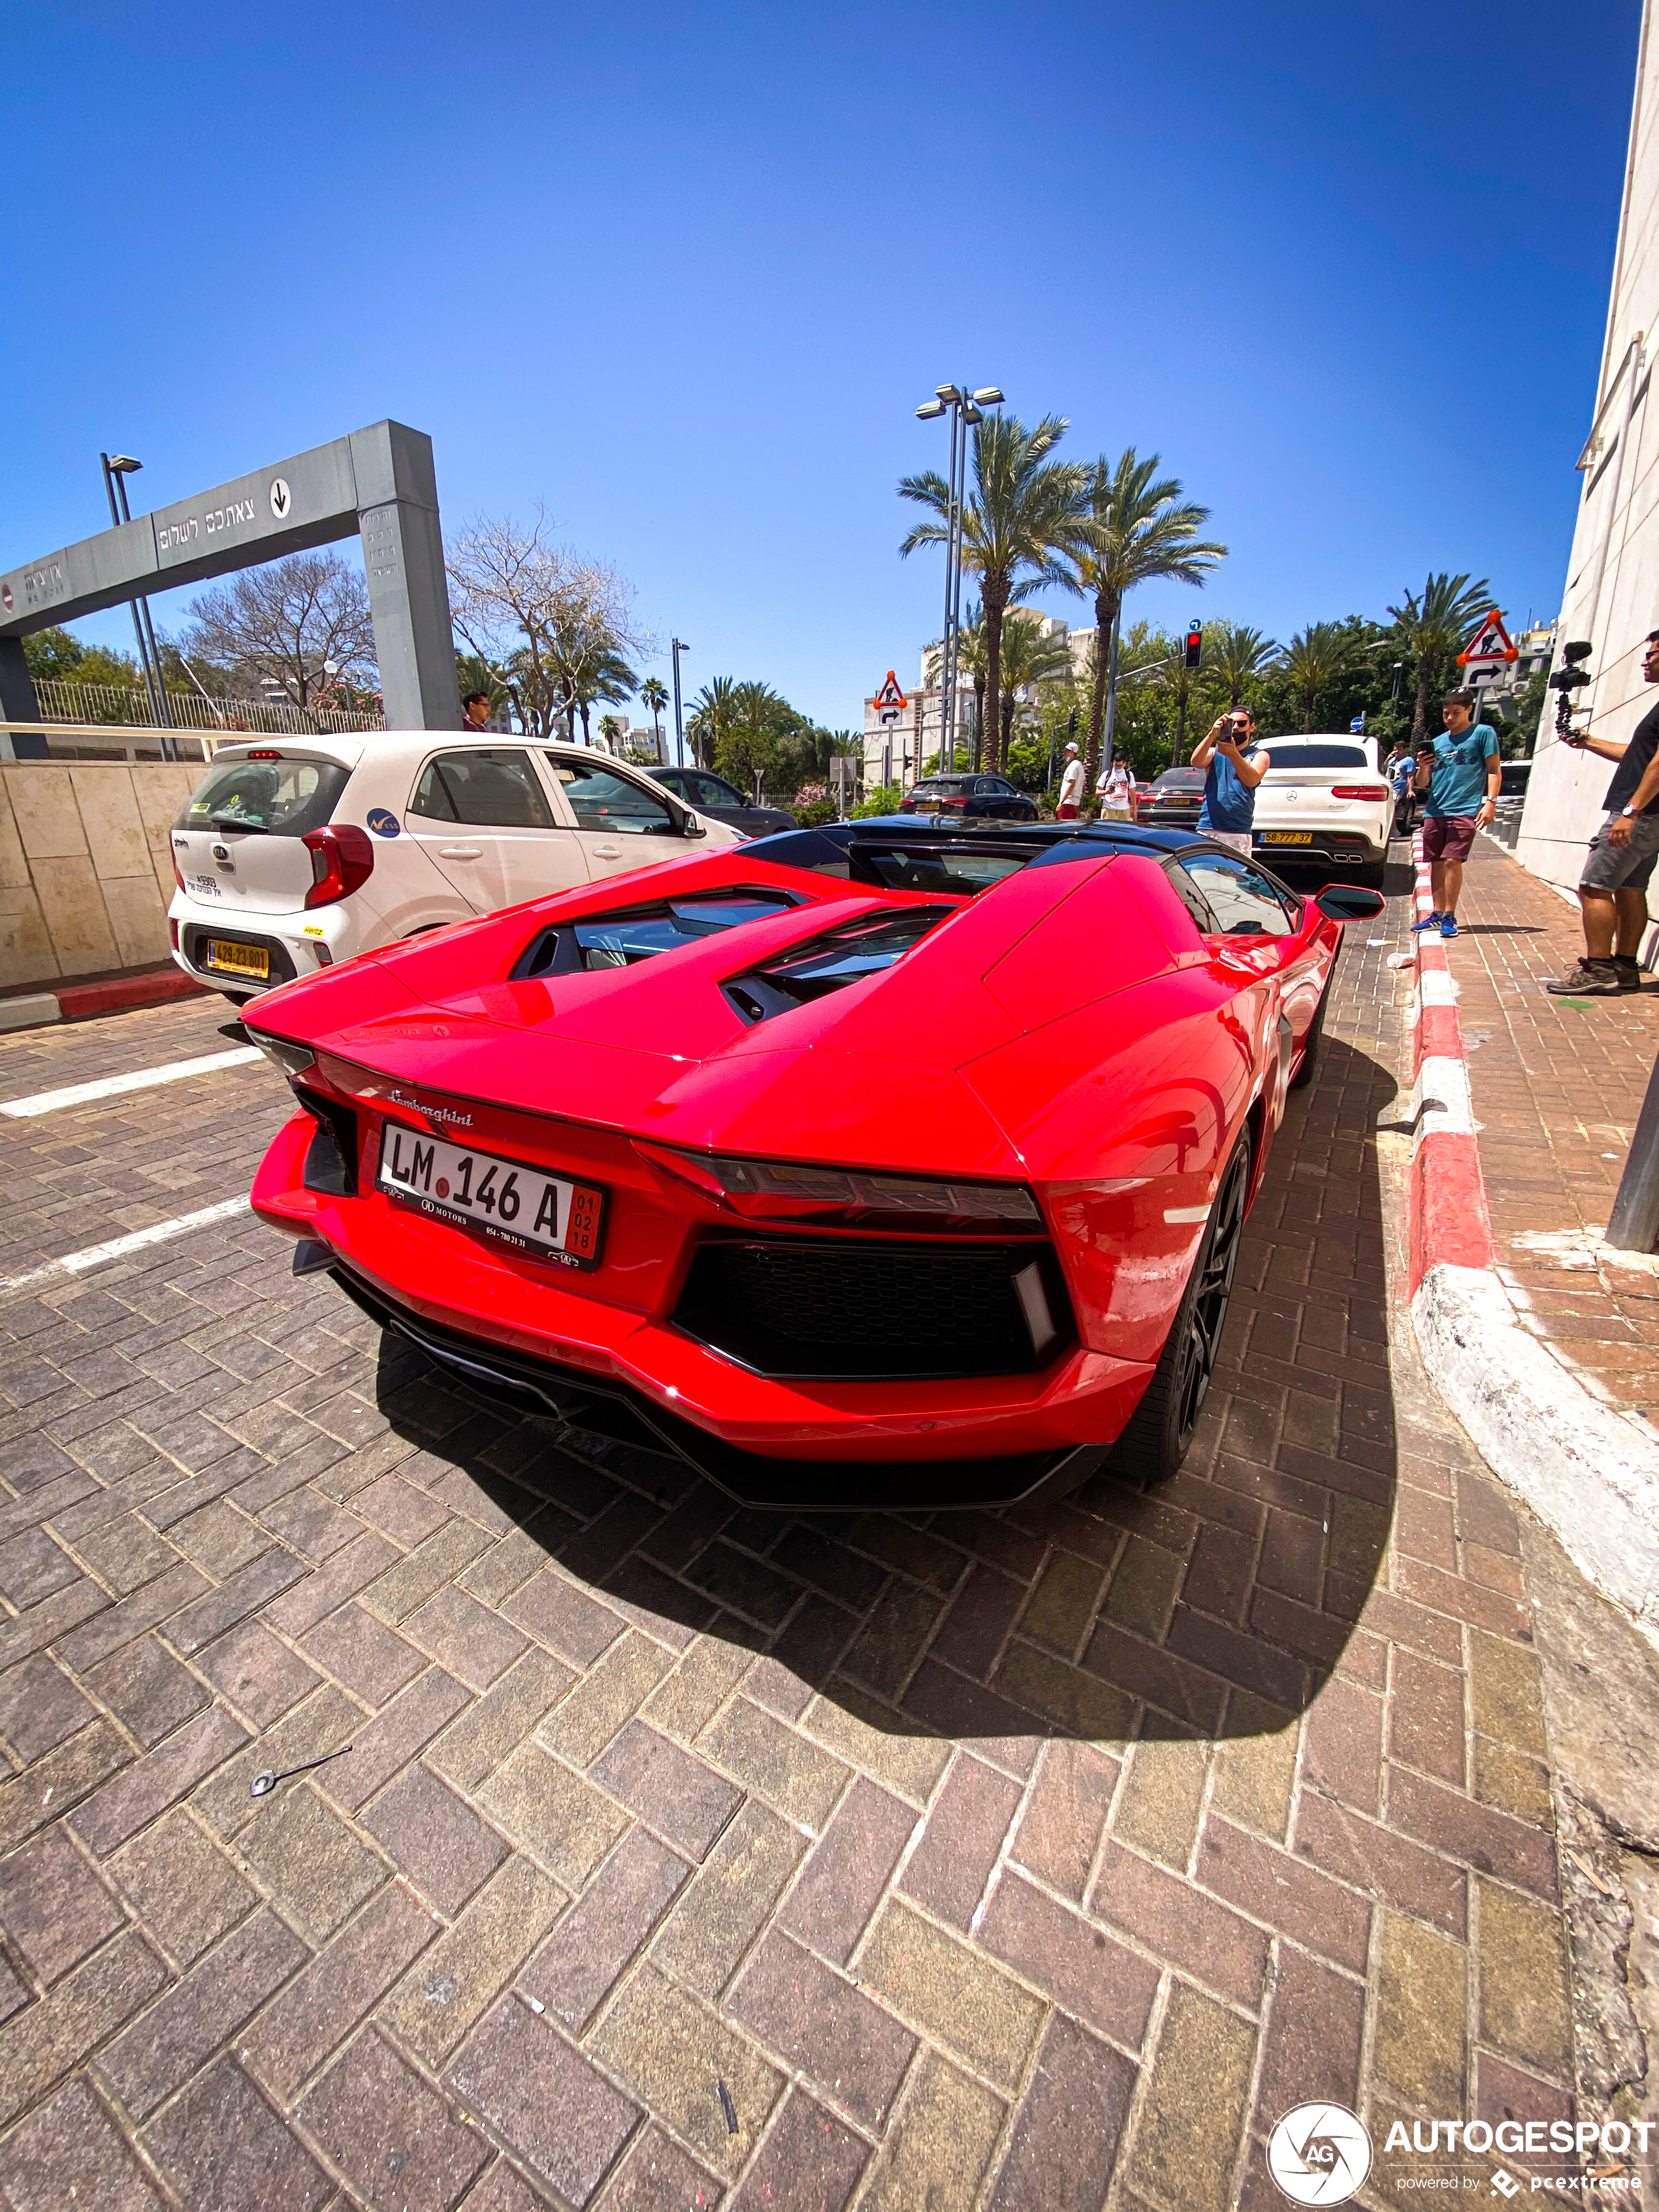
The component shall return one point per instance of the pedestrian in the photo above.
(1613, 890)
(1400, 768)
(1115, 793)
(1071, 788)
(475, 711)
(1234, 767)
(1455, 769)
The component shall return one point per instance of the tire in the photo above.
(1159, 1434)
(1373, 875)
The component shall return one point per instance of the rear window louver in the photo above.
(634, 933)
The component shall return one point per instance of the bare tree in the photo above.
(550, 625)
(283, 623)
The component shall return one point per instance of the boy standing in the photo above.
(1461, 771)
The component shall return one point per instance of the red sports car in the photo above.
(885, 1164)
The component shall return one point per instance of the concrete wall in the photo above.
(86, 871)
(1612, 595)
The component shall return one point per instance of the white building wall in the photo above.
(1612, 596)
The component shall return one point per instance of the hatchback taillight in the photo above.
(1360, 791)
(342, 861)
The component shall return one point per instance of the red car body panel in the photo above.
(1068, 1030)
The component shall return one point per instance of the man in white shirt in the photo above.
(1071, 788)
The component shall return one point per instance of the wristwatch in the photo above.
(1629, 813)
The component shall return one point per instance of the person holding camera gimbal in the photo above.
(1613, 890)
(1235, 769)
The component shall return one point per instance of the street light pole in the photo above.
(679, 722)
(963, 408)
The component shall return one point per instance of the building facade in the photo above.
(1612, 594)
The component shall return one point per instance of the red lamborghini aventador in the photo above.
(885, 1164)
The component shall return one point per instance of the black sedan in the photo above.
(1174, 801)
(723, 802)
(969, 798)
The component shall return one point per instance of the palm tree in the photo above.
(1434, 628)
(1029, 658)
(1234, 656)
(654, 697)
(1314, 660)
(607, 681)
(1139, 528)
(1025, 515)
(713, 717)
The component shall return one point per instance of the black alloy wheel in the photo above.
(1159, 1434)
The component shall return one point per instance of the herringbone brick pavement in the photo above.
(683, 1855)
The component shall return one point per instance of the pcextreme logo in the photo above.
(1319, 2153)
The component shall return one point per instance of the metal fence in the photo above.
(126, 706)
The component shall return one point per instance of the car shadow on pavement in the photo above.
(1216, 1606)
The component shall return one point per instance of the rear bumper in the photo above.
(770, 1441)
(296, 945)
(1331, 848)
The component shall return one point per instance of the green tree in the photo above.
(654, 697)
(711, 718)
(1023, 519)
(1235, 657)
(1139, 528)
(1030, 660)
(1314, 662)
(1434, 625)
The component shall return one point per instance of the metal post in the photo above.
(149, 651)
(956, 599)
(947, 759)
(1633, 1225)
(680, 721)
(116, 517)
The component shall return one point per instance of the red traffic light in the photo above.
(1194, 644)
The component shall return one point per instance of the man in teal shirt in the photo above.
(1461, 771)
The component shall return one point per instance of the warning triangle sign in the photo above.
(1490, 643)
(890, 695)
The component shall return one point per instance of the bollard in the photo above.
(1633, 1225)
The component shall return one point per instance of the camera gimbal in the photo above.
(1569, 677)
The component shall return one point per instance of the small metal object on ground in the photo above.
(729, 2109)
(263, 1785)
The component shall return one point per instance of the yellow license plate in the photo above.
(239, 959)
(1287, 836)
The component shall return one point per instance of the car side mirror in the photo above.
(690, 826)
(1348, 903)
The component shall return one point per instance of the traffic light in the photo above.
(1194, 643)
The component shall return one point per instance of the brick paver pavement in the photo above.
(683, 1855)
(1556, 1085)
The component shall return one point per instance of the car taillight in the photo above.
(342, 861)
(784, 1190)
(1360, 791)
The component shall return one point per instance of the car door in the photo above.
(481, 816)
(622, 822)
(1263, 927)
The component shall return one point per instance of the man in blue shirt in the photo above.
(1461, 771)
(1229, 808)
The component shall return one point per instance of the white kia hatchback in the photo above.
(1324, 798)
(293, 854)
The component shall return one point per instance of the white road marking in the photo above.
(112, 1086)
(117, 1247)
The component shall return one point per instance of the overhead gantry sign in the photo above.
(380, 482)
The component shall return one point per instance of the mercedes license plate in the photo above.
(1287, 836)
(239, 959)
(516, 1205)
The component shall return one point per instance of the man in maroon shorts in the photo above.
(1461, 771)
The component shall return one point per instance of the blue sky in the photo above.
(684, 273)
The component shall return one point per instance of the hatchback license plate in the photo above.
(1287, 836)
(518, 1205)
(239, 959)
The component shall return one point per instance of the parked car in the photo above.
(969, 798)
(1174, 800)
(294, 854)
(721, 801)
(1325, 799)
(882, 1165)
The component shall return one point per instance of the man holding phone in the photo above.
(1613, 890)
(1234, 771)
(1453, 770)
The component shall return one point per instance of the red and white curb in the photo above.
(1589, 1474)
(77, 1002)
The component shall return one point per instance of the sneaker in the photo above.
(1590, 979)
(1629, 972)
(1449, 925)
(1429, 922)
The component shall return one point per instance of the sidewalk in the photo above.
(1556, 1086)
